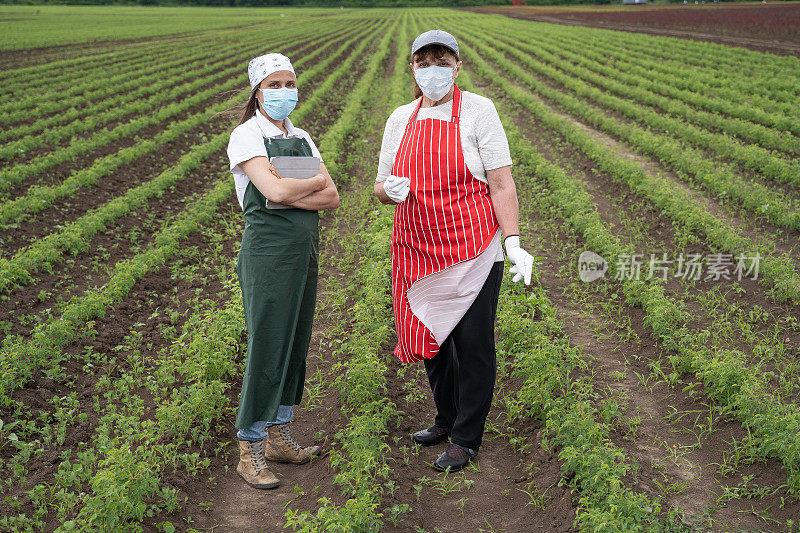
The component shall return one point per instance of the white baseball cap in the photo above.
(262, 66)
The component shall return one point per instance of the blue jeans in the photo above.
(258, 430)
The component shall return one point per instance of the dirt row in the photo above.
(234, 506)
(60, 171)
(669, 454)
(13, 59)
(496, 483)
(29, 300)
(159, 290)
(155, 291)
(784, 239)
(752, 42)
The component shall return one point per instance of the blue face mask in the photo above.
(278, 103)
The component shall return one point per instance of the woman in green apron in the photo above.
(277, 267)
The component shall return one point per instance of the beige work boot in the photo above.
(280, 446)
(252, 466)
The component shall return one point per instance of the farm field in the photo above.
(771, 27)
(663, 396)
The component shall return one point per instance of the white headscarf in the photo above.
(262, 66)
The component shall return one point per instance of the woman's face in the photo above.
(428, 60)
(277, 80)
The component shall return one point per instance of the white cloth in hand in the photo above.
(397, 188)
(522, 260)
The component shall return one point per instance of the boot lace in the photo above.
(283, 429)
(257, 458)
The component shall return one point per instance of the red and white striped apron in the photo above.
(447, 218)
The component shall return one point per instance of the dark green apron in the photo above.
(277, 270)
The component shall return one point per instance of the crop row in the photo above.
(544, 360)
(361, 463)
(211, 359)
(38, 198)
(677, 85)
(687, 162)
(727, 377)
(134, 56)
(676, 203)
(71, 66)
(118, 496)
(606, 500)
(20, 357)
(79, 145)
(106, 483)
(129, 104)
(721, 61)
(725, 83)
(745, 123)
(749, 156)
(138, 86)
(53, 97)
(94, 87)
(189, 398)
(18, 94)
(77, 235)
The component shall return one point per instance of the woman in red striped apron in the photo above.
(445, 163)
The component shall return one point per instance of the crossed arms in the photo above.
(314, 194)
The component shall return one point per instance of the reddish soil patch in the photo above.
(770, 28)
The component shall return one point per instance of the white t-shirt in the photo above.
(247, 142)
(483, 138)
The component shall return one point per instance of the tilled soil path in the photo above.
(752, 42)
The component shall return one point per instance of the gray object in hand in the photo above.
(293, 167)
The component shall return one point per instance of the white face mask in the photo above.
(434, 81)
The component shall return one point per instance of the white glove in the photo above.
(522, 260)
(397, 188)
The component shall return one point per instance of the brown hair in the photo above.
(438, 51)
(246, 110)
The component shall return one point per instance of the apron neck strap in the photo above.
(413, 116)
(456, 104)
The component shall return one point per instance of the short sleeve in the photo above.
(492, 141)
(244, 145)
(392, 135)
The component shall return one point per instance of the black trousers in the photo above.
(462, 374)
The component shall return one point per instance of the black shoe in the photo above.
(454, 457)
(429, 437)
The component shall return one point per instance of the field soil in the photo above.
(684, 22)
(677, 434)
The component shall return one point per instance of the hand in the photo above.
(522, 260)
(397, 188)
(274, 172)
